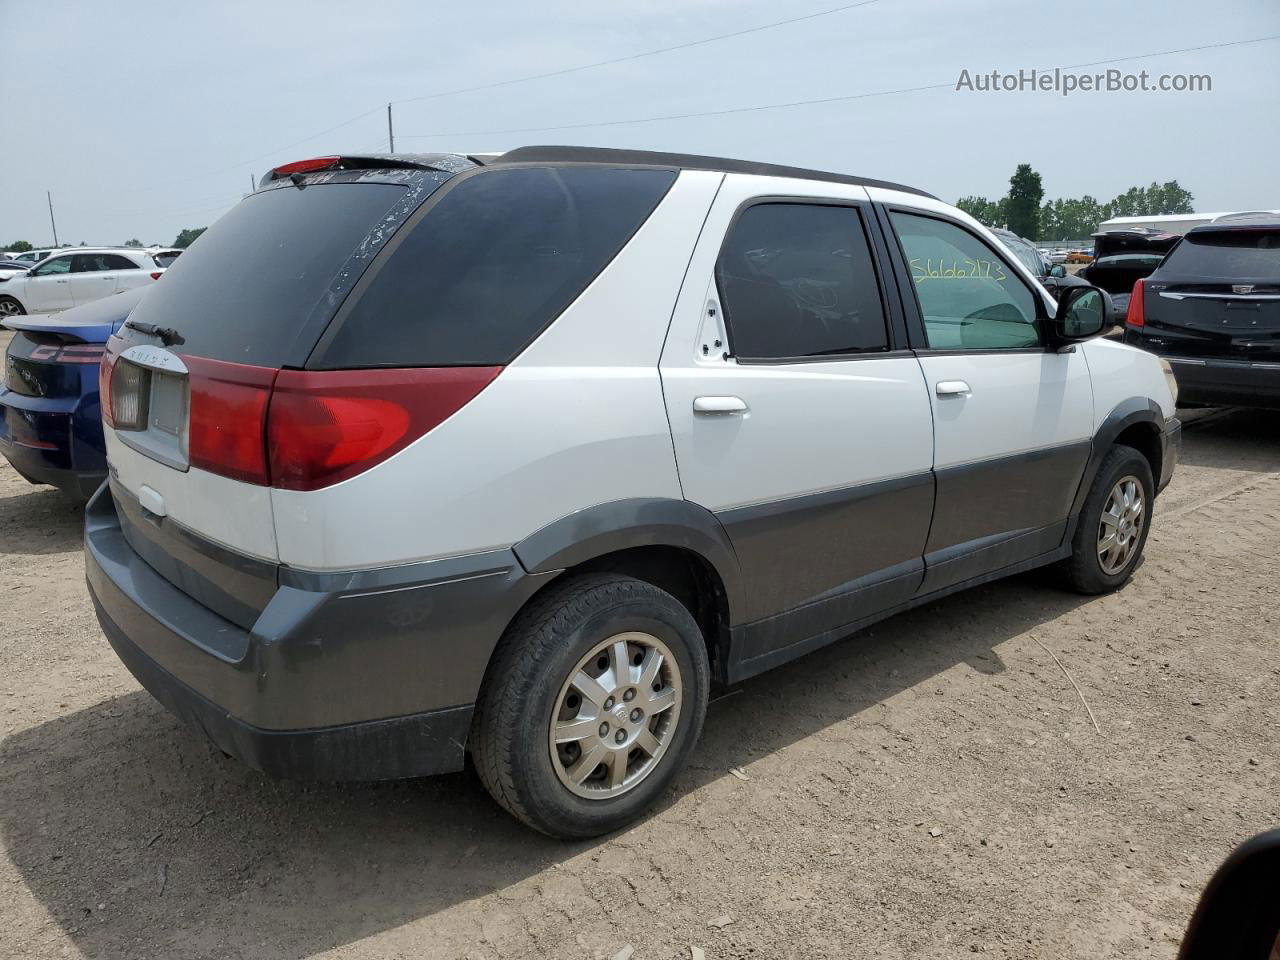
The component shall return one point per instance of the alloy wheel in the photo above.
(1120, 529)
(615, 716)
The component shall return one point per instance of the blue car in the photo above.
(50, 419)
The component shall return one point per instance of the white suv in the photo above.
(419, 456)
(77, 276)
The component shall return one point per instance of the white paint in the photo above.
(810, 426)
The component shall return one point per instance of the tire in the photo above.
(1089, 570)
(531, 687)
(10, 307)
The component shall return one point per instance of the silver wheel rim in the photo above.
(615, 716)
(8, 308)
(1120, 529)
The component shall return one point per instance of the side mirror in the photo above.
(1057, 270)
(1082, 313)
(1236, 918)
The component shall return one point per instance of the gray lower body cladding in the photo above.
(363, 675)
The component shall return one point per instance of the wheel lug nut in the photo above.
(621, 736)
(608, 704)
(629, 695)
(636, 714)
(604, 729)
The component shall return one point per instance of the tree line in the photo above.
(184, 239)
(1025, 211)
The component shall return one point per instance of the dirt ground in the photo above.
(932, 788)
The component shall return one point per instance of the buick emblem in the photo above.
(1242, 288)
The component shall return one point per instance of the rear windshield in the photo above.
(166, 259)
(247, 287)
(1235, 253)
(486, 269)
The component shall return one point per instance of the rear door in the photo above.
(1217, 296)
(92, 276)
(799, 418)
(1013, 419)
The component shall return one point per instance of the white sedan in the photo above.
(69, 279)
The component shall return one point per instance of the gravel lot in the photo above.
(930, 789)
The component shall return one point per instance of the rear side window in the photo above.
(246, 289)
(486, 269)
(1228, 253)
(797, 280)
(969, 298)
(115, 261)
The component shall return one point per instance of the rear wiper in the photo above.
(167, 335)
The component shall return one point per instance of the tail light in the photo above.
(129, 384)
(227, 418)
(1137, 316)
(157, 274)
(303, 430)
(105, 369)
(327, 426)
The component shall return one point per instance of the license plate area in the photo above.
(149, 407)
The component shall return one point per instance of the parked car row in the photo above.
(82, 275)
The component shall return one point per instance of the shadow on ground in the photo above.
(192, 853)
(40, 520)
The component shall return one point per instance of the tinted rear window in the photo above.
(490, 265)
(247, 287)
(1234, 253)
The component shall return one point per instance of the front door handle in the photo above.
(952, 388)
(719, 405)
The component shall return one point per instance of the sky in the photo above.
(141, 121)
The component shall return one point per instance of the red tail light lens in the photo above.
(227, 420)
(157, 274)
(105, 369)
(328, 426)
(307, 166)
(1137, 309)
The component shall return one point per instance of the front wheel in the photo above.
(595, 699)
(1113, 526)
(10, 307)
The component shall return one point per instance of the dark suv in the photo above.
(1212, 309)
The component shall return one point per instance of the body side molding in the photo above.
(637, 522)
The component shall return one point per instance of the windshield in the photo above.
(1025, 253)
(1228, 253)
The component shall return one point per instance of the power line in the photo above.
(543, 76)
(638, 56)
(803, 103)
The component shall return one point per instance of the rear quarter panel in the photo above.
(577, 419)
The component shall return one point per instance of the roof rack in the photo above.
(684, 161)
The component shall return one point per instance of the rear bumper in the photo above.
(55, 441)
(1227, 382)
(1209, 380)
(334, 684)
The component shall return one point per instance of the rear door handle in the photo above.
(952, 388)
(712, 405)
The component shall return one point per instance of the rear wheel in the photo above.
(1113, 525)
(9, 307)
(594, 701)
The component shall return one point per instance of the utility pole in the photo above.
(253, 184)
(52, 222)
(391, 136)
